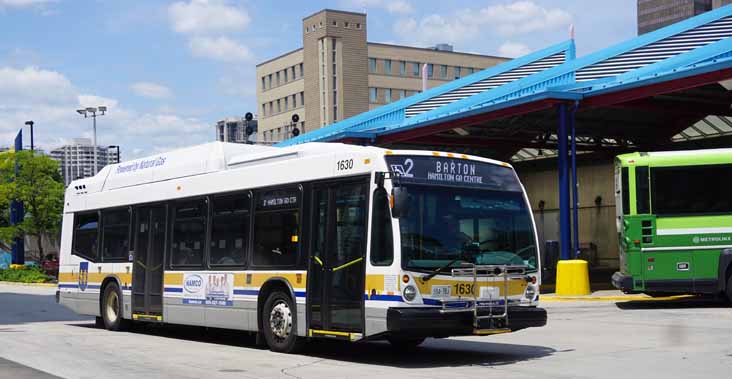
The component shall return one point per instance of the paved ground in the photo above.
(687, 338)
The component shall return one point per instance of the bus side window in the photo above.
(277, 228)
(86, 235)
(116, 234)
(641, 193)
(229, 230)
(382, 244)
(625, 189)
(189, 233)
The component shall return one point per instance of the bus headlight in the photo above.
(409, 293)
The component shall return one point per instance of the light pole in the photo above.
(30, 123)
(92, 112)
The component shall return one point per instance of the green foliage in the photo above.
(38, 185)
(27, 274)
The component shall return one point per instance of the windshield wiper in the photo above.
(467, 250)
(439, 269)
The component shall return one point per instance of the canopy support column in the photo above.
(575, 187)
(562, 160)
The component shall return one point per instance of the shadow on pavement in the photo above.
(433, 353)
(695, 302)
(17, 308)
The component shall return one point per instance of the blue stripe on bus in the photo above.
(173, 289)
(383, 297)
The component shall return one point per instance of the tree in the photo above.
(38, 185)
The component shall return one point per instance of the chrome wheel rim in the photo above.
(112, 306)
(280, 320)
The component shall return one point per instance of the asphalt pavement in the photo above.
(683, 338)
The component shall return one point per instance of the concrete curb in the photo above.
(554, 298)
(29, 284)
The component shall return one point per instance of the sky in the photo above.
(167, 70)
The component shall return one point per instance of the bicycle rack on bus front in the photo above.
(507, 272)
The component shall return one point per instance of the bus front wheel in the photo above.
(111, 308)
(279, 323)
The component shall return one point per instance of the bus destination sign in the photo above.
(452, 171)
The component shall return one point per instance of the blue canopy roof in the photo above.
(693, 47)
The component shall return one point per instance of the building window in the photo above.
(457, 72)
(335, 113)
(335, 23)
(278, 77)
(285, 72)
(302, 98)
(263, 84)
(346, 24)
(335, 83)
(372, 65)
(302, 71)
(387, 95)
(443, 71)
(286, 104)
(271, 108)
(294, 101)
(373, 95)
(387, 66)
(264, 109)
(358, 26)
(415, 69)
(270, 80)
(402, 94)
(402, 68)
(430, 70)
(469, 70)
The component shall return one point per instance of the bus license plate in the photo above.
(489, 293)
(441, 291)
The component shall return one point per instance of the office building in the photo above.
(234, 129)
(655, 14)
(77, 159)
(338, 74)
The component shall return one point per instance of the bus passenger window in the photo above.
(85, 235)
(382, 245)
(229, 230)
(189, 233)
(116, 231)
(277, 228)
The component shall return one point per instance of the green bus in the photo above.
(674, 220)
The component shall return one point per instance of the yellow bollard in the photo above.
(573, 278)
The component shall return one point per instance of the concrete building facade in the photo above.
(234, 129)
(77, 159)
(338, 74)
(655, 14)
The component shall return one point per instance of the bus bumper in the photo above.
(430, 322)
(623, 282)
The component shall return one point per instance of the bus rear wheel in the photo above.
(279, 323)
(111, 308)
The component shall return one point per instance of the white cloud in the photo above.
(220, 48)
(51, 100)
(510, 19)
(513, 49)
(151, 90)
(206, 16)
(391, 6)
(23, 3)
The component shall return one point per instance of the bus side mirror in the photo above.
(399, 202)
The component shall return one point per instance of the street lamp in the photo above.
(30, 123)
(92, 112)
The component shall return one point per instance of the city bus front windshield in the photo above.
(478, 226)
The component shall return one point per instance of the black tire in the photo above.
(279, 323)
(111, 308)
(405, 344)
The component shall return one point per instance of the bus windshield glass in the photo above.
(475, 226)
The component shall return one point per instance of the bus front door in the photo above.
(147, 274)
(337, 267)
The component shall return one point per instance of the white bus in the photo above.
(315, 240)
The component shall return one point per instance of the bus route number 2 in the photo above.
(344, 164)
